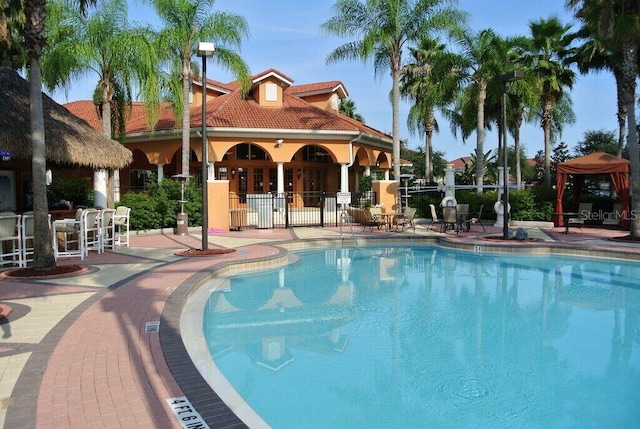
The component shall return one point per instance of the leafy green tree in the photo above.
(431, 81)
(188, 22)
(550, 45)
(618, 23)
(348, 108)
(597, 141)
(27, 27)
(596, 54)
(482, 66)
(382, 29)
(104, 43)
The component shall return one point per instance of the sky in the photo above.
(286, 35)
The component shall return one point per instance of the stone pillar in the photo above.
(450, 182)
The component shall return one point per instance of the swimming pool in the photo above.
(420, 336)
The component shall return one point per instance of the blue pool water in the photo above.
(408, 337)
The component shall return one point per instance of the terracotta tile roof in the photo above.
(319, 88)
(86, 110)
(459, 163)
(272, 72)
(230, 110)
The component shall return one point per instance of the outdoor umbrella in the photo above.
(69, 139)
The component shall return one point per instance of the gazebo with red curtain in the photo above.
(596, 163)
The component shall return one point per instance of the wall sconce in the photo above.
(299, 173)
(279, 142)
(233, 172)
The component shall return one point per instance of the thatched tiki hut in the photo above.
(70, 141)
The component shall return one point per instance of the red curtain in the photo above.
(561, 180)
(622, 185)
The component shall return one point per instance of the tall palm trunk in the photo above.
(482, 96)
(186, 119)
(34, 34)
(622, 112)
(516, 148)
(630, 71)
(395, 101)
(547, 117)
(428, 144)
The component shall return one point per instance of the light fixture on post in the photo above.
(511, 76)
(279, 142)
(205, 50)
(299, 173)
(233, 172)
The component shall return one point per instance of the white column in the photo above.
(280, 179)
(367, 170)
(344, 178)
(211, 171)
(386, 174)
(116, 186)
(100, 188)
(159, 172)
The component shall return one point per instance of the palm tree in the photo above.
(619, 24)
(550, 44)
(103, 43)
(188, 22)
(348, 109)
(382, 29)
(431, 81)
(480, 52)
(32, 34)
(595, 54)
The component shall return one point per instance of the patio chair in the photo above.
(121, 224)
(614, 216)
(462, 212)
(91, 230)
(68, 240)
(406, 218)
(27, 236)
(434, 216)
(449, 219)
(370, 219)
(477, 220)
(584, 211)
(10, 242)
(107, 229)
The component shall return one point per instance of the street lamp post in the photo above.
(205, 50)
(511, 76)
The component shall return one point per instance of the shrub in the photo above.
(159, 205)
(74, 189)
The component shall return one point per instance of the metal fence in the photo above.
(266, 211)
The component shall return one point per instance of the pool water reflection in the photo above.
(405, 337)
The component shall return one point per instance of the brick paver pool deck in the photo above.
(103, 350)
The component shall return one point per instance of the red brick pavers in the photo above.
(103, 369)
(98, 367)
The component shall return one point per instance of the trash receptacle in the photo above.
(182, 224)
(238, 218)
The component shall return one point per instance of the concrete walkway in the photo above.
(103, 349)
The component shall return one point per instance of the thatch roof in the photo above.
(69, 139)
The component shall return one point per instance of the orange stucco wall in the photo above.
(387, 194)
(218, 209)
